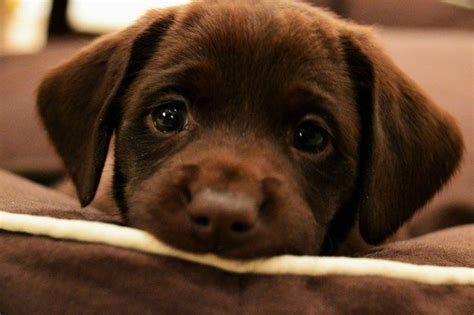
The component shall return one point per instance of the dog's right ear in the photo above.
(409, 146)
(79, 101)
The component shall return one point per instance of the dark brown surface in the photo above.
(43, 276)
(58, 24)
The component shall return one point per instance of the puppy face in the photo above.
(250, 128)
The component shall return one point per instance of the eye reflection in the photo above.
(310, 137)
(171, 117)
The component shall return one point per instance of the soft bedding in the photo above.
(56, 258)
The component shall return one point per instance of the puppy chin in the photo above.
(259, 246)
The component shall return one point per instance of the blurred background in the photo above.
(431, 40)
(26, 25)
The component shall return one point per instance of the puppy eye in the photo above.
(171, 117)
(310, 137)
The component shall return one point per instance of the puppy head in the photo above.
(249, 128)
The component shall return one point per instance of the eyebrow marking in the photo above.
(307, 98)
(310, 97)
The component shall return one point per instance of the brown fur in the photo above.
(251, 70)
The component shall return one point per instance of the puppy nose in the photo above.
(222, 219)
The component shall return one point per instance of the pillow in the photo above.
(57, 258)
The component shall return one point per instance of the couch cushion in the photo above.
(24, 147)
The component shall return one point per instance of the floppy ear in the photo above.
(409, 146)
(79, 100)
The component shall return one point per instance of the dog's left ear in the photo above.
(78, 101)
(409, 147)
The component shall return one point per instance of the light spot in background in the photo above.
(23, 25)
(102, 16)
(467, 4)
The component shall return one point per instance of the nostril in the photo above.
(187, 194)
(201, 221)
(240, 227)
(265, 206)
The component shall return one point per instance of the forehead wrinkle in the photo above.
(194, 75)
(310, 90)
(247, 29)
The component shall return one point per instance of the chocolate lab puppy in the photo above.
(249, 128)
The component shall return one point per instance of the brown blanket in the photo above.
(40, 275)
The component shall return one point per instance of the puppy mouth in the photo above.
(246, 216)
(255, 247)
(251, 245)
(260, 241)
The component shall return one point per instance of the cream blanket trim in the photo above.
(130, 238)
